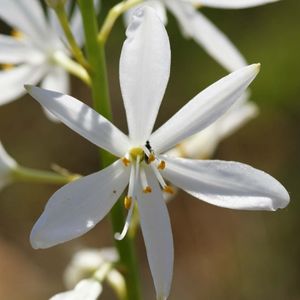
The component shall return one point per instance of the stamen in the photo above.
(168, 189)
(17, 34)
(161, 165)
(151, 158)
(120, 236)
(127, 202)
(125, 161)
(144, 182)
(147, 190)
(158, 176)
(7, 67)
(131, 182)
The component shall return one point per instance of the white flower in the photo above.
(86, 262)
(33, 51)
(87, 289)
(203, 144)
(7, 163)
(144, 72)
(196, 26)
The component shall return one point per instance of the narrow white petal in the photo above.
(57, 80)
(156, 4)
(195, 25)
(144, 71)
(24, 15)
(87, 289)
(79, 206)
(12, 81)
(203, 109)
(82, 119)
(157, 233)
(14, 51)
(231, 4)
(236, 118)
(226, 184)
(203, 144)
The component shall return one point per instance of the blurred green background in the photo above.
(219, 253)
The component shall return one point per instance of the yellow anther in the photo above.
(151, 158)
(136, 152)
(18, 35)
(7, 67)
(161, 165)
(147, 189)
(127, 202)
(168, 189)
(125, 161)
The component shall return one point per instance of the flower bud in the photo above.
(7, 164)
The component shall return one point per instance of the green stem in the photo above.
(23, 174)
(99, 85)
(64, 22)
(114, 13)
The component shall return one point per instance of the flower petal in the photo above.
(56, 80)
(157, 233)
(12, 81)
(226, 184)
(231, 4)
(203, 144)
(87, 289)
(205, 33)
(144, 71)
(14, 51)
(82, 119)
(79, 206)
(26, 16)
(240, 113)
(155, 4)
(203, 109)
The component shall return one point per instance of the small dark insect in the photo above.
(148, 146)
(114, 191)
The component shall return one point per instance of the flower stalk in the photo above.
(64, 22)
(23, 174)
(99, 85)
(114, 13)
(71, 66)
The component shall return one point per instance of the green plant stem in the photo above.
(23, 174)
(64, 22)
(99, 85)
(114, 13)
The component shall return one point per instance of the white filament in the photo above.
(143, 178)
(120, 236)
(134, 175)
(158, 176)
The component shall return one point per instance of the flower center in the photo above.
(141, 160)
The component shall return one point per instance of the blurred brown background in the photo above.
(219, 253)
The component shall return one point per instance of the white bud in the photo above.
(7, 164)
(88, 289)
(86, 262)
